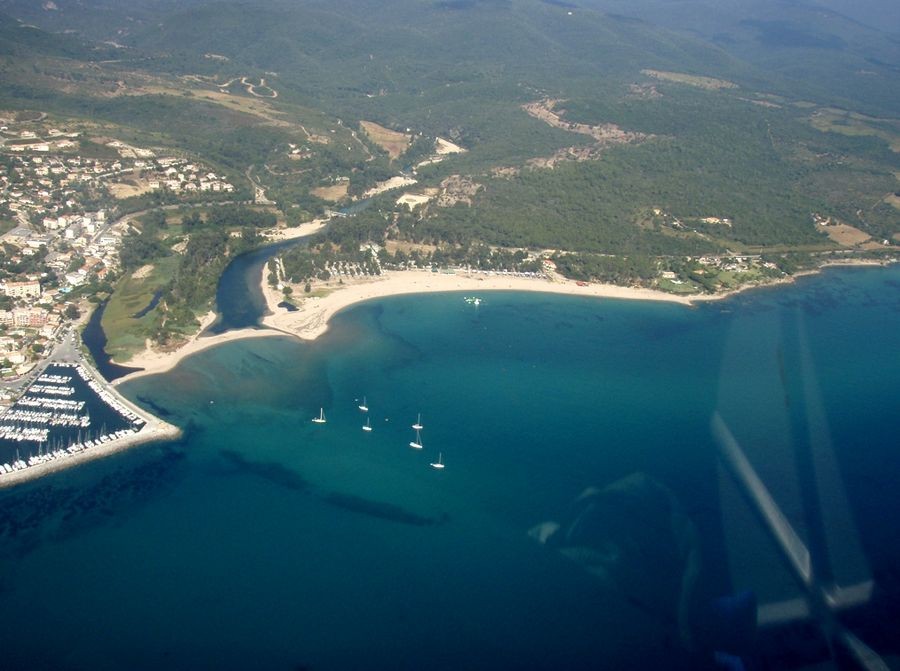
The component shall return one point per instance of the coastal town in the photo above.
(64, 243)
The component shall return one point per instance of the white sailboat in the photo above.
(439, 464)
(418, 425)
(368, 425)
(363, 406)
(417, 443)
(321, 418)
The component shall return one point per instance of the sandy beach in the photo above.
(311, 319)
(154, 361)
(300, 231)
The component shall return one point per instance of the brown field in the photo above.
(406, 247)
(392, 141)
(143, 272)
(121, 191)
(332, 193)
(894, 200)
(846, 236)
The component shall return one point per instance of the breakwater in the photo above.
(66, 412)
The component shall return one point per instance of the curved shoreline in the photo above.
(314, 314)
(312, 319)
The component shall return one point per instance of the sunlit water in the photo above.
(266, 541)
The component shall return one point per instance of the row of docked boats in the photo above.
(45, 404)
(367, 427)
(45, 417)
(47, 378)
(48, 454)
(51, 389)
(106, 397)
(30, 401)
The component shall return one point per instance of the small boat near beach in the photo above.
(418, 425)
(363, 406)
(368, 425)
(321, 418)
(417, 443)
(439, 464)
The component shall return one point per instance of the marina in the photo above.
(64, 412)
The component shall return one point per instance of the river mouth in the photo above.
(240, 303)
(94, 338)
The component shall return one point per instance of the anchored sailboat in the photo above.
(417, 443)
(363, 406)
(368, 425)
(418, 425)
(439, 464)
(321, 418)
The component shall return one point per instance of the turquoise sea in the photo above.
(264, 541)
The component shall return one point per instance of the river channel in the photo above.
(239, 304)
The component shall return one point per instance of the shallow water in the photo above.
(265, 541)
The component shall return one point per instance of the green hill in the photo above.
(760, 113)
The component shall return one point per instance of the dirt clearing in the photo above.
(392, 141)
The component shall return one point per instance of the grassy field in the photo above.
(125, 334)
(709, 83)
(847, 236)
(851, 124)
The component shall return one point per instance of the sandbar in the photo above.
(300, 231)
(160, 361)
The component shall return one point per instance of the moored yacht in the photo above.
(321, 418)
(368, 425)
(417, 443)
(418, 425)
(439, 464)
(363, 406)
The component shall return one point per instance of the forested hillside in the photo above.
(649, 128)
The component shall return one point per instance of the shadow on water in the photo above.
(155, 407)
(277, 474)
(380, 510)
(269, 471)
(94, 339)
(48, 512)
